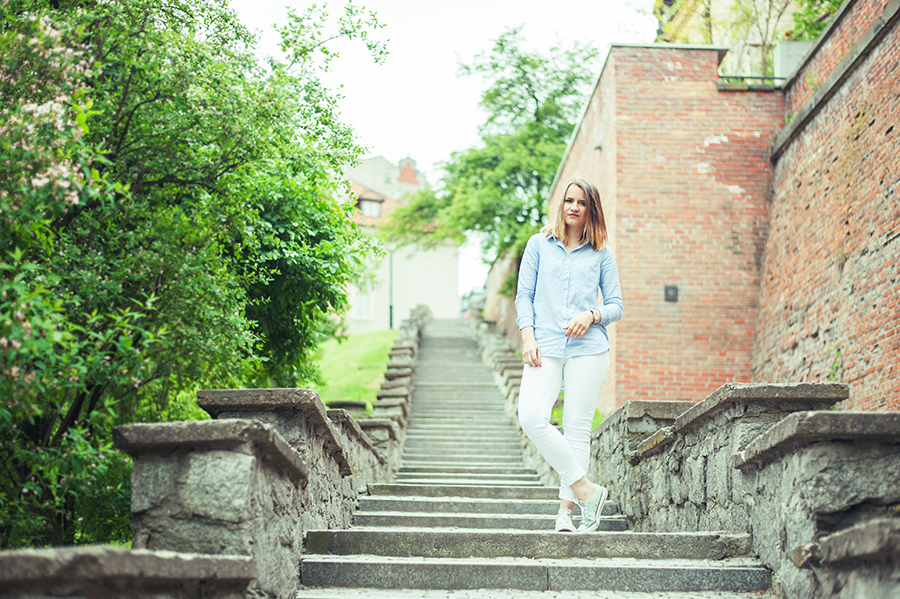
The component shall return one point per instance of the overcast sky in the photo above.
(415, 105)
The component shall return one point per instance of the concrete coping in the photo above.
(345, 404)
(637, 409)
(769, 397)
(875, 540)
(235, 434)
(802, 428)
(91, 563)
(393, 372)
(388, 423)
(400, 381)
(217, 401)
(393, 392)
(349, 424)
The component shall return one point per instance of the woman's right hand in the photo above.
(531, 353)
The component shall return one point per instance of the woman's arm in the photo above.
(611, 310)
(527, 283)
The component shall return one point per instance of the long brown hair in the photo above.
(595, 227)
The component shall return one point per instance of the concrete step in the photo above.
(465, 481)
(467, 505)
(516, 543)
(515, 460)
(476, 521)
(444, 436)
(529, 476)
(533, 574)
(462, 468)
(460, 453)
(486, 446)
(370, 593)
(462, 490)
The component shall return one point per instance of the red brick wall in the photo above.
(692, 186)
(585, 161)
(849, 25)
(831, 274)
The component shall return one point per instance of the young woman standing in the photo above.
(564, 338)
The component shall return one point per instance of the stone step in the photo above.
(484, 445)
(516, 543)
(460, 453)
(447, 457)
(539, 522)
(466, 481)
(458, 468)
(468, 505)
(533, 574)
(472, 477)
(370, 593)
(443, 435)
(462, 490)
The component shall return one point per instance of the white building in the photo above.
(408, 275)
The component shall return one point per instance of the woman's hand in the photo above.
(531, 353)
(579, 324)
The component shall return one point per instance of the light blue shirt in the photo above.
(555, 285)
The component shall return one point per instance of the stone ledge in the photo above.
(218, 401)
(784, 397)
(767, 397)
(802, 428)
(652, 445)
(388, 423)
(91, 563)
(876, 540)
(663, 410)
(346, 420)
(394, 371)
(240, 435)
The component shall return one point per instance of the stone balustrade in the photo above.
(115, 573)
(220, 507)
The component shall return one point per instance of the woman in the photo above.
(564, 338)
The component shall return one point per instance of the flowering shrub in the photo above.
(168, 222)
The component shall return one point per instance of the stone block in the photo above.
(102, 572)
(394, 372)
(803, 428)
(218, 485)
(287, 410)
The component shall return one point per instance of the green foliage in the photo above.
(836, 366)
(167, 223)
(353, 367)
(812, 18)
(498, 189)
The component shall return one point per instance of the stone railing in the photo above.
(769, 460)
(112, 572)
(220, 507)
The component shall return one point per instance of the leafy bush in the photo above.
(169, 220)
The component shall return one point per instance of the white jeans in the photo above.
(584, 377)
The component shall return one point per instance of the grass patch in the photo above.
(354, 368)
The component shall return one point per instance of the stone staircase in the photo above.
(465, 517)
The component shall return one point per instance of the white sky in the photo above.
(415, 105)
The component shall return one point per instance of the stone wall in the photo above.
(220, 507)
(759, 458)
(830, 295)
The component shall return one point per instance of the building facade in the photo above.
(407, 275)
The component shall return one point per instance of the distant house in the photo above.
(408, 275)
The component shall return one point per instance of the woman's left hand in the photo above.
(579, 324)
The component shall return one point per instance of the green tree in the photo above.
(812, 18)
(499, 188)
(168, 221)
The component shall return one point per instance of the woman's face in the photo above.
(575, 207)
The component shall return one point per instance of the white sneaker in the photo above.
(590, 510)
(564, 521)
